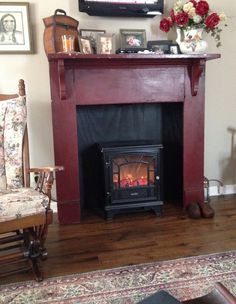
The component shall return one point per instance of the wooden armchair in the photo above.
(24, 212)
(219, 295)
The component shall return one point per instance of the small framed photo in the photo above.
(174, 49)
(106, 44)
(15, 34)
(160, 45)
(92, 35)
(133, 38)
(85, 45)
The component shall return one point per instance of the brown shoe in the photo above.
(193, 211)
(206, 210)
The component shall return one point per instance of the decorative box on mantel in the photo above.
(170, 86)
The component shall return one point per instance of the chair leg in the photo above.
(34, 238)
(36, 269)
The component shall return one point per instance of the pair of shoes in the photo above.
(206, 210)
(193, 211)
(198, 210)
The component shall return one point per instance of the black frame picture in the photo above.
(163, 45)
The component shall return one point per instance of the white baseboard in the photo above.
(213, 191)
(226, 189)
(54, 206)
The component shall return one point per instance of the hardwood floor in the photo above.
(136, 238)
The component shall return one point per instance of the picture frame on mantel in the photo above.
(106, 44)
(15, 29)
(174, 49)
(163, 45)
(92, 34)
(85, 45)
(133, 38)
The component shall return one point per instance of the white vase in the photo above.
(190, 41)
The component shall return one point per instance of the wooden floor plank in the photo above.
(136, 238)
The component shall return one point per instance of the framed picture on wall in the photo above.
(133, 38)
(15, 34)
(106, 44)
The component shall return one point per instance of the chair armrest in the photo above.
(47, 169)
(45, 179)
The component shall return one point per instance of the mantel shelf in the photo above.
(136, 56)
(195, 63)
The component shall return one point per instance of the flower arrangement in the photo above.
(194, 14)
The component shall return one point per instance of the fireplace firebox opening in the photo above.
(143, 126)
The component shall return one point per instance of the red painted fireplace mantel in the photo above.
(78, 79)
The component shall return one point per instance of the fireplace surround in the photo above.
(175, 83)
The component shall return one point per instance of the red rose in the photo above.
(181, 18)
(202, 8)
(194, 2)
(172, 15)
(165, 24)
(212, 21)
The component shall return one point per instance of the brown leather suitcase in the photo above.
(55, 26)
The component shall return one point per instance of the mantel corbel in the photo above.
(195, 72)
(61, 75)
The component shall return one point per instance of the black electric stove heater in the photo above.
(132, 177)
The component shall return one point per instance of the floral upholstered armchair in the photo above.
(24, 212)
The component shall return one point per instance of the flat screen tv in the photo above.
(122, 8)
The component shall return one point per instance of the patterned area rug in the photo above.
(184, 278)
